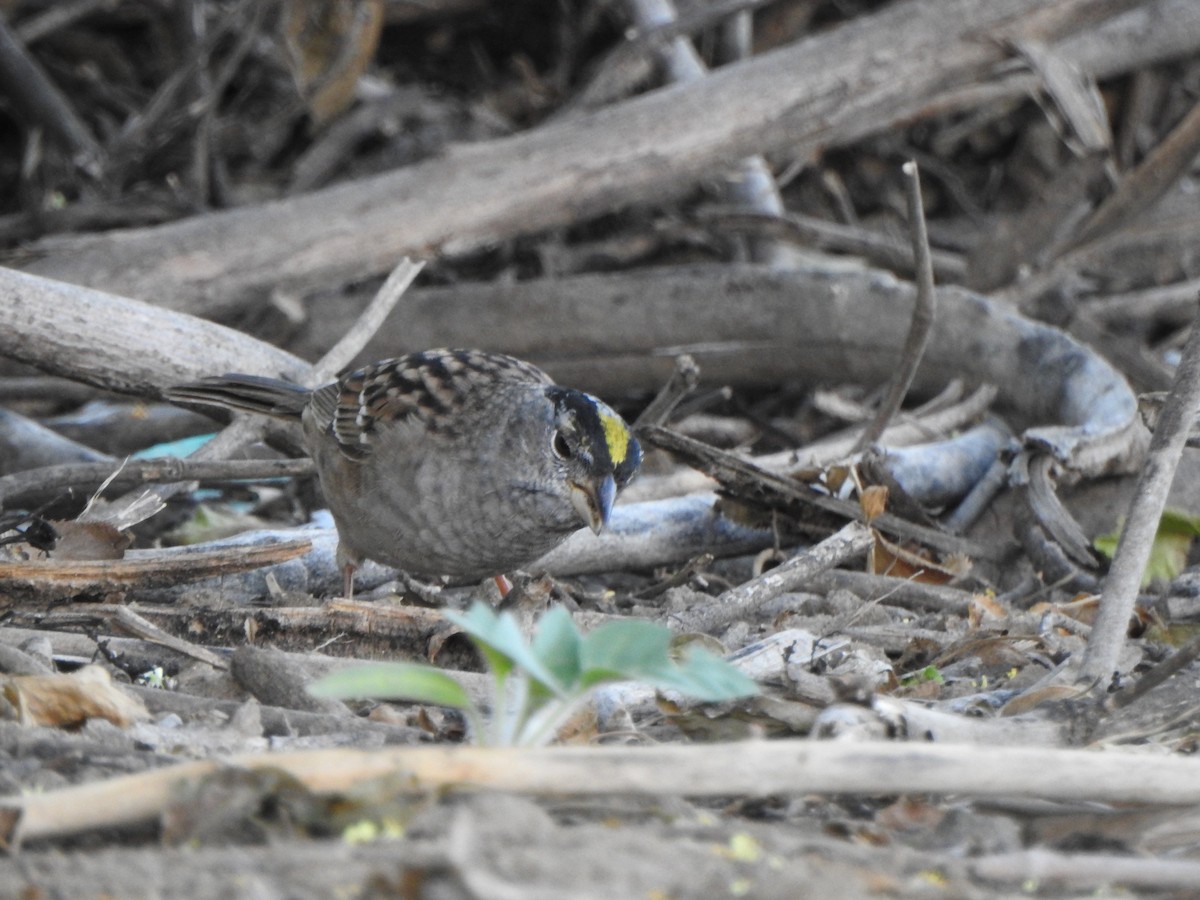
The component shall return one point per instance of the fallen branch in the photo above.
(1145, 510)
(754, 768)
(802, 98)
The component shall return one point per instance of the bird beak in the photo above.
(593, 501)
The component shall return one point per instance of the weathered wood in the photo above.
(120, 344)
(906, 61)
(748, 325)
(757, 768)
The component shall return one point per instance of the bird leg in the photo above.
(348, 564)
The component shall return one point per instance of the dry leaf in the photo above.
(65, 701)
(1082, 608)
(887, 558)
(873, 501)
(984, 604)
(330, 45)
(1030, 700)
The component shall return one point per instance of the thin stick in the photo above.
(1146, 184)
(18, 487)
(1071, 872)
(380, 307)
(750, 184)
(128, 620)
(924, 309)
(37, 97)
(56, 17)
(852, 540)
(1145, 509)
(819, 234)
(1176, 662)
(682, 382)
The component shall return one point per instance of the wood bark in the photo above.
(907, 61)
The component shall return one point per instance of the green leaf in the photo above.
(1168, 553)
(641, 651)
(558, 645)
(1176, 521)
(619, 651)
(500, 640)
(922, 676)
(480, 623)
(1168, 557)
(1106, 544)
(393, 681)
(704, 676)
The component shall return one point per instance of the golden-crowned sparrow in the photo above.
(448, 462)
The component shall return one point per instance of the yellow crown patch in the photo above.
(616, 436)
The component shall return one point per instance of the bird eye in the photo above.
(560, 446)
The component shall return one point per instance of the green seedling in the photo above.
(923, 676)
(1168, 554)
(537, 686)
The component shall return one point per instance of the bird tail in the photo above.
(246, 393)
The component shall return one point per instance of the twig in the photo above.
(357, 336)
(682, 575)
(129, 621)
(682, 382)
(976, 503)
(1145, 510)
(903, 592)
(1176, 662)
(165, 102)
(1174, 303)
(56, 17)
(1053, 871)
(751, 184)
(1050, 513)
(56, 579)
(1145, 184)
(819, 234)
(851, 541)
(924, 309)
(29, 89)
(19, 487)
(742, 478)
(210, 90)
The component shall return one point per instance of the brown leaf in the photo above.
(1082, 608)
(65, 701)
(1050, 693)
(984, 604)
(330, 45)
(873, 501)
(887, 558)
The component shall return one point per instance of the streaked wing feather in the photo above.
(425, 386)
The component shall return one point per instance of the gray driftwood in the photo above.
(907, 61)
